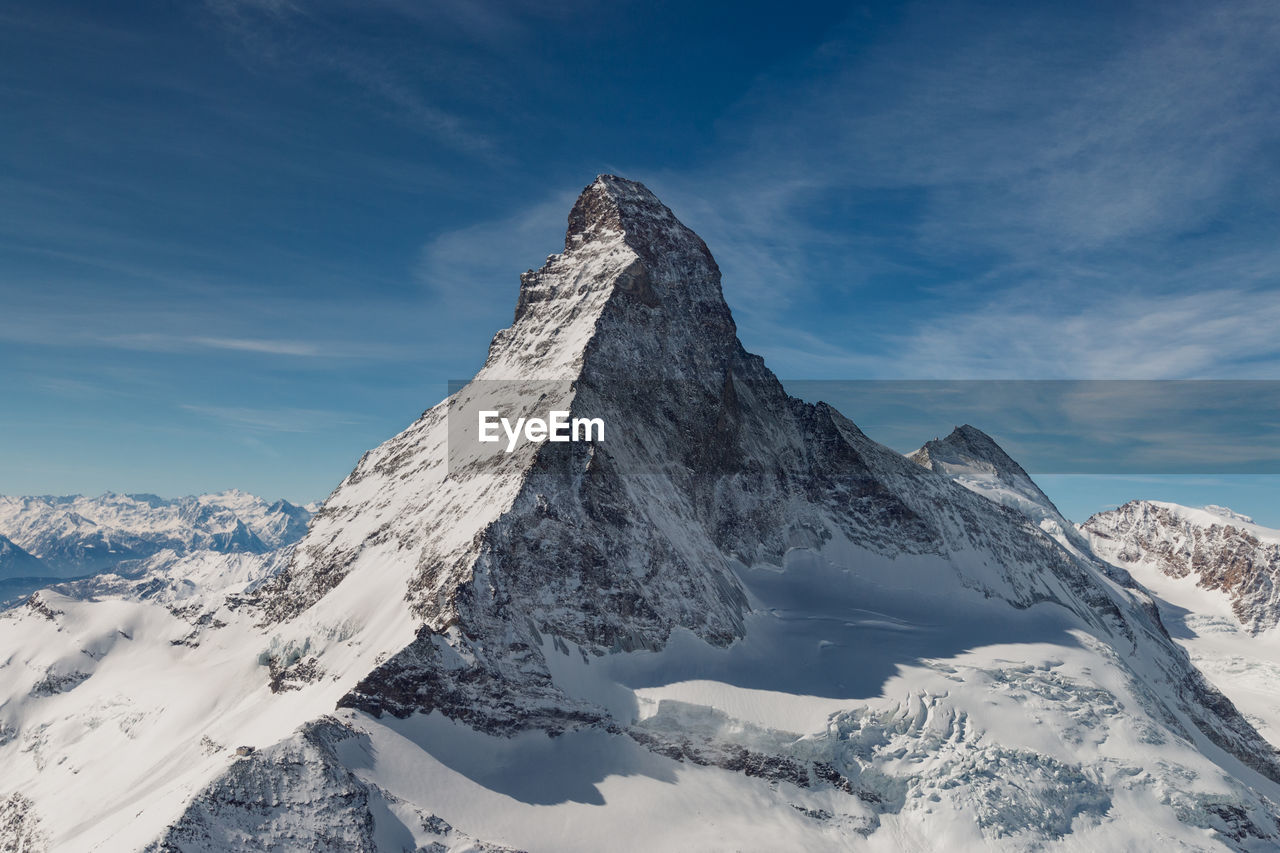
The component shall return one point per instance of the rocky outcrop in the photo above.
(267, 798)
(20, 830)
(1217, 549)
(300, 795)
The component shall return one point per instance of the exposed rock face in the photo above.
(295, 789)
(300, 795)
(20, 830)
(1217, 549)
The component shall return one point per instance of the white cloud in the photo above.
(275, 420)
(1227, 333)
(464, 269)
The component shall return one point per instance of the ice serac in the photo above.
(1213, 547)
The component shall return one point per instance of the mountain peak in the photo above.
(974, 460)
(1215, 547)
(630, 270)
(680, 605)
(611, 206)
(967, 444)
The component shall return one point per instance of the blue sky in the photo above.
(242, 241)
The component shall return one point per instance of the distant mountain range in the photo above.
(48, 538)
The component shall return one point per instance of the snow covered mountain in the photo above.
(77, 535)
(737, 623)
(1215, 574)
(17, 563)
(1214, 548)
(1181, 556)
(974, 460)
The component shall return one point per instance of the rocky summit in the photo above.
(736, 622)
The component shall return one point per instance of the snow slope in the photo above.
(737, 623)
(1209, 570)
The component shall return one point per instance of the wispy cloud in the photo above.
(1225, 333)
(463, 267)
(290, 420)
(1064, 200)
(402, 101)
(76, 389)
(179, 343)
(299, 348)
(79, 328)
(281, 33)
(1045, 129)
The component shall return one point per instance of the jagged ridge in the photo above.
(1220, 550)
